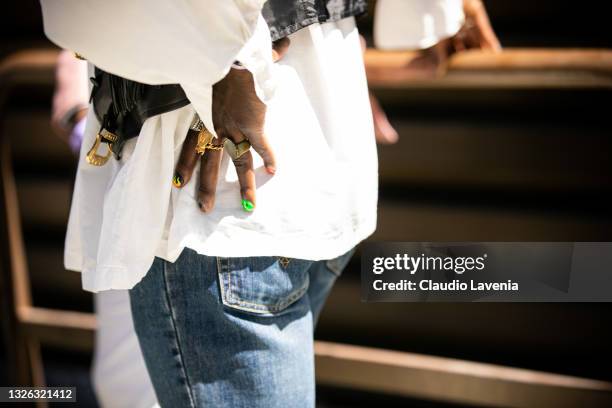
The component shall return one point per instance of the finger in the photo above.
(261, 145)
(488, 38)
(279, 48)
(231, 131)
(491, 43)
(246, 178)
(187, 160)
(471, 39)
(258, 141)
(383, 130)
(209, 173)
(458, 43)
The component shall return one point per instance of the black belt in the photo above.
(122, 106)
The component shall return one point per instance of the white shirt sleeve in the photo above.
(415, 24)
(190, 42)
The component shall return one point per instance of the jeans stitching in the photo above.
(176, 337)
(221, 278)
(227, 296)
(260, 307)
(337, 265)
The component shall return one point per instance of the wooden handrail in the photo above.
(512, 68)
(61, 328)
(22, 63)
(33, 67)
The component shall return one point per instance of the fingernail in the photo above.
(247, 205)
(177, 180)
(271, 170)
(205, 205)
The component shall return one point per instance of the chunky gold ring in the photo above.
(211, 146)
(203, 143)
(236, 150)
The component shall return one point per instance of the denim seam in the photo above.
(259, 307)
(227, 295)
(176, 337)
(221, 279)
(337, 265)
(333, 267)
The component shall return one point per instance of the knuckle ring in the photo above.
(236, 150)
(205, 138)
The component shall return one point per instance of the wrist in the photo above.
(472, 7)
(72, 117)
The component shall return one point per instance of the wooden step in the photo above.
(33, 143)
(405, 221)
(453, 380)
(44, 203)
(548, 340)
(505, 155)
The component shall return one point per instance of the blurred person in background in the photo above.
(70, 100)
(437, 29)
(119, 375)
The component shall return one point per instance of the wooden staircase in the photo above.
(508, 147)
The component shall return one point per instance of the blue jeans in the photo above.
(232, 332)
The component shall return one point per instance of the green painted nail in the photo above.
(247, 205)
(177, 180)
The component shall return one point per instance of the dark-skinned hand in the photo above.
(238, 114)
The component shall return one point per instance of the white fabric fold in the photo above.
(415, 24)
(257, 58)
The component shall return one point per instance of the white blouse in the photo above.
(415, 24)
(320, 203)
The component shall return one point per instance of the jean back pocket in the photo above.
(262, 285)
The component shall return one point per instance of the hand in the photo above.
(238, 115)
(71, 94)
(477, 31)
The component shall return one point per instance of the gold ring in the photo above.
(203, 143)
(211, 146)
(236, 150)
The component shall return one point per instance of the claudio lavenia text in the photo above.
(449, 286)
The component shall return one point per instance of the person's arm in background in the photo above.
(70, 99)
(439, 28)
